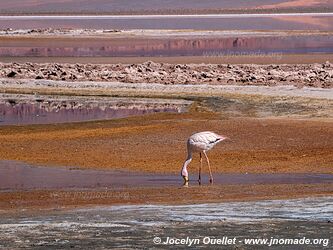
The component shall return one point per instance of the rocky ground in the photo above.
(60, 31)
(310, 75)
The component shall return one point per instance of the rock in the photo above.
(52, 73)
(11, 74)
(273, 72)
(327, 64)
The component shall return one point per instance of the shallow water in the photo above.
(229, 46)
(137, 225)
(324, 23)
(30, 109)
(20, 176)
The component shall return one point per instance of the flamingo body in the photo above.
(203, 141)
(200, 142)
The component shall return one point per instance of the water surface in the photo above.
(20, 176)
(31, 109)
(229, 46)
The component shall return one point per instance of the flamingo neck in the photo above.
(184, 168)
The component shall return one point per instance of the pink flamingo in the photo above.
(200, 142)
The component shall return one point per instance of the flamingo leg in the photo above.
(199, 180)
(210, 171)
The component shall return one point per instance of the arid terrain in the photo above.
(310, 75)
(98, 98)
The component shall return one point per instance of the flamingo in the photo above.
(200, 142)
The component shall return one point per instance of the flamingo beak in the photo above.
(185, 180)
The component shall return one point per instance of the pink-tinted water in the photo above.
(21, 176)
(226, 46)
(45, 111)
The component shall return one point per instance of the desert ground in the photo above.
(98, 99)
(279, 162)
(278, 116)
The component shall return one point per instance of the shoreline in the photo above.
(152, 16)
(232, 59)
